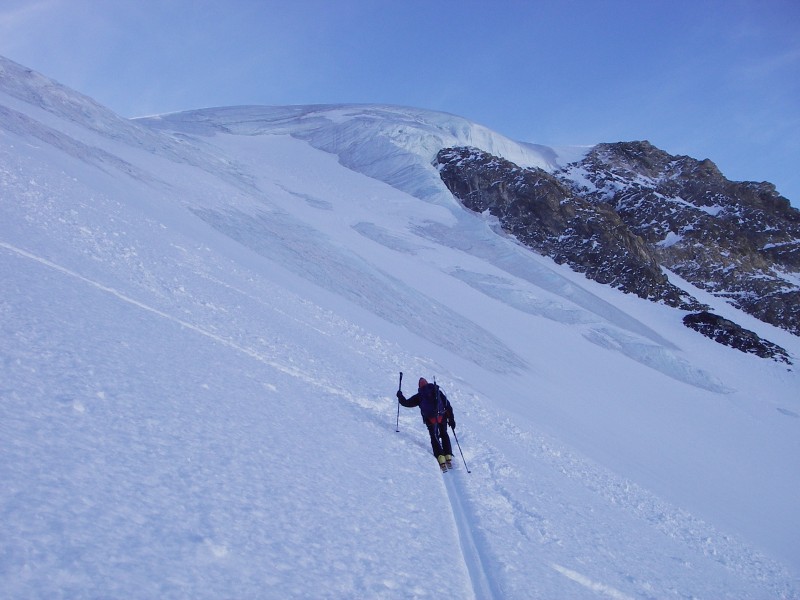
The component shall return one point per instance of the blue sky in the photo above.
(711, 79)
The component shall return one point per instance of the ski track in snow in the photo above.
(215, 545)
(484, 568)
(471, 550)
(293, 371)
(525, 506)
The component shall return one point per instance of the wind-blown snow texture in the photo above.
(202, 321)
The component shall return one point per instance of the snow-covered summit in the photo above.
(390, 143)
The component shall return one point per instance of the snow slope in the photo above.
(202, 323)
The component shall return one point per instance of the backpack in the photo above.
(432, 404)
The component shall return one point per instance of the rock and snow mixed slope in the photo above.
(628, 211)
(202, 322)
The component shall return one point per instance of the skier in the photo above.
(436, 414)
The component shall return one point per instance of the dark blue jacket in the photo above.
(433, 407)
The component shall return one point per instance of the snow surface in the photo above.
(202, 323)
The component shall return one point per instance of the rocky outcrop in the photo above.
(738, 240)
(627, 210)
(547, 215)
(725, 331)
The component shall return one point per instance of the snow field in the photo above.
(200, 345)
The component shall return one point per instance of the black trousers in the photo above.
(440, 441)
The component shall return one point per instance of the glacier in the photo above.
(203, 319)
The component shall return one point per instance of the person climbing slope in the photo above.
(437, 414)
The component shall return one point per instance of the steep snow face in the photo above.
(35, 90)
(200, 340)
(392, 144)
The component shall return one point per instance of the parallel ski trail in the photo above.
(279, 366)
(470, 550)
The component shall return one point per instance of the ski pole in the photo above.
(462, 453)
(399, 385)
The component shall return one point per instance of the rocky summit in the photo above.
(737, 240)
(627, 211)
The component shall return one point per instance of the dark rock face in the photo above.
(738, 240)
(729, 333)
(628, 209)
(546, 214)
